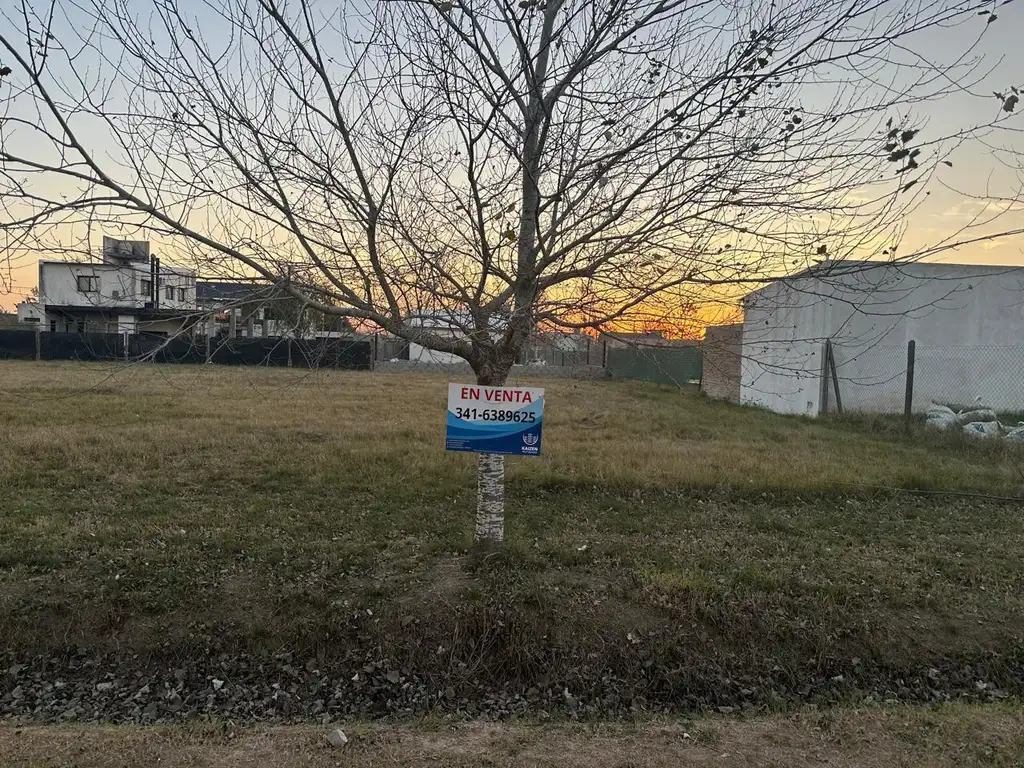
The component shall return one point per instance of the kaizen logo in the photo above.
(530, 439)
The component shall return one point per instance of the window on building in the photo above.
(147, 288)
(169, 293)
(181, 294)
(88, 283)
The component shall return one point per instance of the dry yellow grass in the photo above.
(898, 738)
(137, 418)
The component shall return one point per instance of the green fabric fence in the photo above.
(678, 366)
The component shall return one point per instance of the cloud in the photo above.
(981, 209)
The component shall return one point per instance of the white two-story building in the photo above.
(129, 291)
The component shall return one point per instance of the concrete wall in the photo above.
(967, 322)
(420, 354)
(172, 284)
(30, 312)
(118, 285)
(720, 373)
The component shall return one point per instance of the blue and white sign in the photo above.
(494, 419)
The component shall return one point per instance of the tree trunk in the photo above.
(490, 500)
(490, 468)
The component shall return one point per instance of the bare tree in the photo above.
(503, 164)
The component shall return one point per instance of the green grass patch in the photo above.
(156, 507)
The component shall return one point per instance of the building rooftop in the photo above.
(836, 269)
(231, 290)
(139, 267)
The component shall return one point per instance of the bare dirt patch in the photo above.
(899, 737)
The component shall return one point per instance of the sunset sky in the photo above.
(979, 169)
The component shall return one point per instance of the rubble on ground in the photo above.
(977, 422)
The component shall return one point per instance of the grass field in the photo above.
(664, 549)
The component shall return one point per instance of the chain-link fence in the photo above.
(567, 350)
(558, 355)
(908, 378)
(871, 379)
(573, 350)
(677, 363)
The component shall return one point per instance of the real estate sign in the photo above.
(494, 419)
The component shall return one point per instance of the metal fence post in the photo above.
(908, 402)
(700, 356)
(39, 345)
(835, 374)
(824, 394)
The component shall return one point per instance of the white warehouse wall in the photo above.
(781, 366)
(967, 322)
